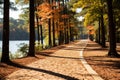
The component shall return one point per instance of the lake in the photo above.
(13, 45)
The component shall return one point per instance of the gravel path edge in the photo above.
(92, 72)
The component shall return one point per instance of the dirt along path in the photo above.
(64, 64)
(107, 67)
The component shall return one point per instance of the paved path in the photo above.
(64, 64)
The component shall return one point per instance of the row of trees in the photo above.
(5, 46)
(106, 13)
(51, 14)
(59, 22)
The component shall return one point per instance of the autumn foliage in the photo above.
(91, 29)
(44, 11)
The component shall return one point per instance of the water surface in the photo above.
(14, 45)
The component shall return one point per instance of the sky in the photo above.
(14, 14)
(78, 10)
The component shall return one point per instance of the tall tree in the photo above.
(32, 29)
(61, 24)
(37, 3)
(38, 29)
(49, 32)
(49, 28)
(45, 14)
(112, 42)
(94, 10)
(41, 34)
(53, 21)
(102, 28)
(5, 46)
(99, 31)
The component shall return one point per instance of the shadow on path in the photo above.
(47, 55)
(72, 48)
(113, 63)
(101, 58)
(42, 70)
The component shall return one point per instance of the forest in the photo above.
(56, 21)
(51, 22)
(61, 32)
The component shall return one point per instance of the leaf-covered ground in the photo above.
(108, 68)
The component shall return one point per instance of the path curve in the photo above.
(87, 66)
(64, 64)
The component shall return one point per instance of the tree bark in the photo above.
(5, 43)
(41, 33)
(53, 25)
(32, 30)
(49, 27)
(38, 29)
(54, 33)
(99, 32)
(112, 37)
(102, 30)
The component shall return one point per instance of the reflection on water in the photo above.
(13, 45)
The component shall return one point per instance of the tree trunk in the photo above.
(32, 30)
(102, 29)
(112, 42)
(5, 46)
(49, 27)
(99, 32)
(38, 29)
(53, 24)
(41, 33)
(67, 21)
(54, 33)
(67, 32)
(71, 34)
(60, 36)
